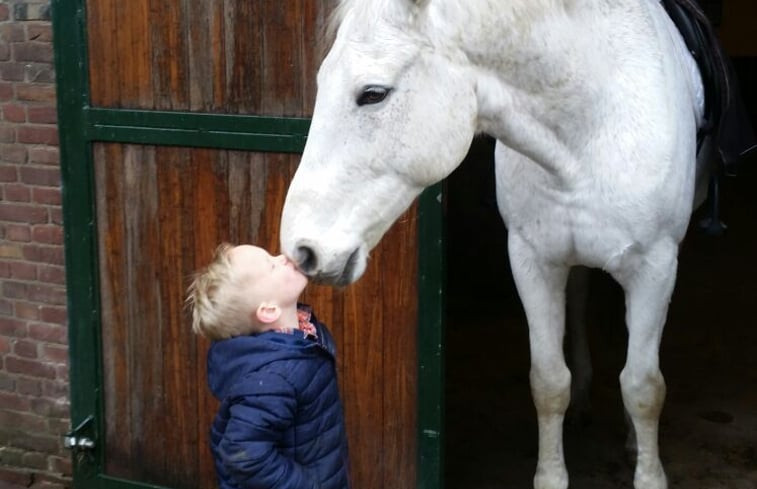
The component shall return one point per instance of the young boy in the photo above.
(280, 424)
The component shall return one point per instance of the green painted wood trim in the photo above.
(69, 41)
(108, 482)
(174, 128)
(431, 268)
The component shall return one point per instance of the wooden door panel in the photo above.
(161, 211)
(231, 56)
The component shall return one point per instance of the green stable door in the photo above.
(181, 125)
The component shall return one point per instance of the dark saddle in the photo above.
(726, 120)
(725, 116)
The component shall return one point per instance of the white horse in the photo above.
(595, 105)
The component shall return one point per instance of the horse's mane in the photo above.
(368, 10)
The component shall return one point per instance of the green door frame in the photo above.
(81, 125)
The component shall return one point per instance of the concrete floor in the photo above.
(708, 430)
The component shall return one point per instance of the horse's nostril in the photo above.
(306, 259)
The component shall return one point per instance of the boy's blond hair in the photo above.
(218, 311)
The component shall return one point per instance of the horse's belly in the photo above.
(573, 236)
(603, 225)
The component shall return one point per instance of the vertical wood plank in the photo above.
(144, 318)
(280, 56)
(400, 299)
(363, 359)
(103, 53)
(169, 56)
(179, 346)
(245, 26)
(113, 264)
(133, 42)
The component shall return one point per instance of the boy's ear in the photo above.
(267, 312)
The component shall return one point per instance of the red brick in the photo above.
(28, 441)
(50, 408)
(23, 213)
(58, 425)
(48, 234)
(12, 32)
(13, 153)
(13, 112)
(15, 192)
(35, 92)
(5, 345)
(41, 52)
(17, 477)
(6, 307)
(5, 52)
(4, 12)
(34, 461)
(52, 314)
(55, 354)
(37, 134)
(29, 10)
(25, 349)
(48, 333)
(14, 402)
(7, 381)
(13, 327)
(47, 294)
(51, 274)
(25, 310)
(29, 368)
(23, 270)
(39, 32)
(11, 251)
(18, 232)
(56, 389)
(28, 387)
(39, 73)
(45, 156)
(15, 290)
(48, 196)
(8, 173)
(44, 176)
(61, 373)
(44, 254)
(7, 133)
(43, 115)
(47, 481)
(56, 215)
(10, 71)
(6, 91)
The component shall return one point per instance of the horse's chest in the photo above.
(586, 228)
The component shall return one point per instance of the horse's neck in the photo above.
(538, 69)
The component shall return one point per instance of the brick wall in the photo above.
(34, 401)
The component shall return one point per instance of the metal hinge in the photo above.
(75, 441)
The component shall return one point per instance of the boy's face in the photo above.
(267, 278)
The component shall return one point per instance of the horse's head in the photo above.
(395, 112)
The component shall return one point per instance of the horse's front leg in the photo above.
(541, 287)
(648, 285)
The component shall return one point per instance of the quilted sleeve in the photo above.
(263, 408)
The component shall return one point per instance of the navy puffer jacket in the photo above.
(280, 424)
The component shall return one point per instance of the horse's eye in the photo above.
(372, 95)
